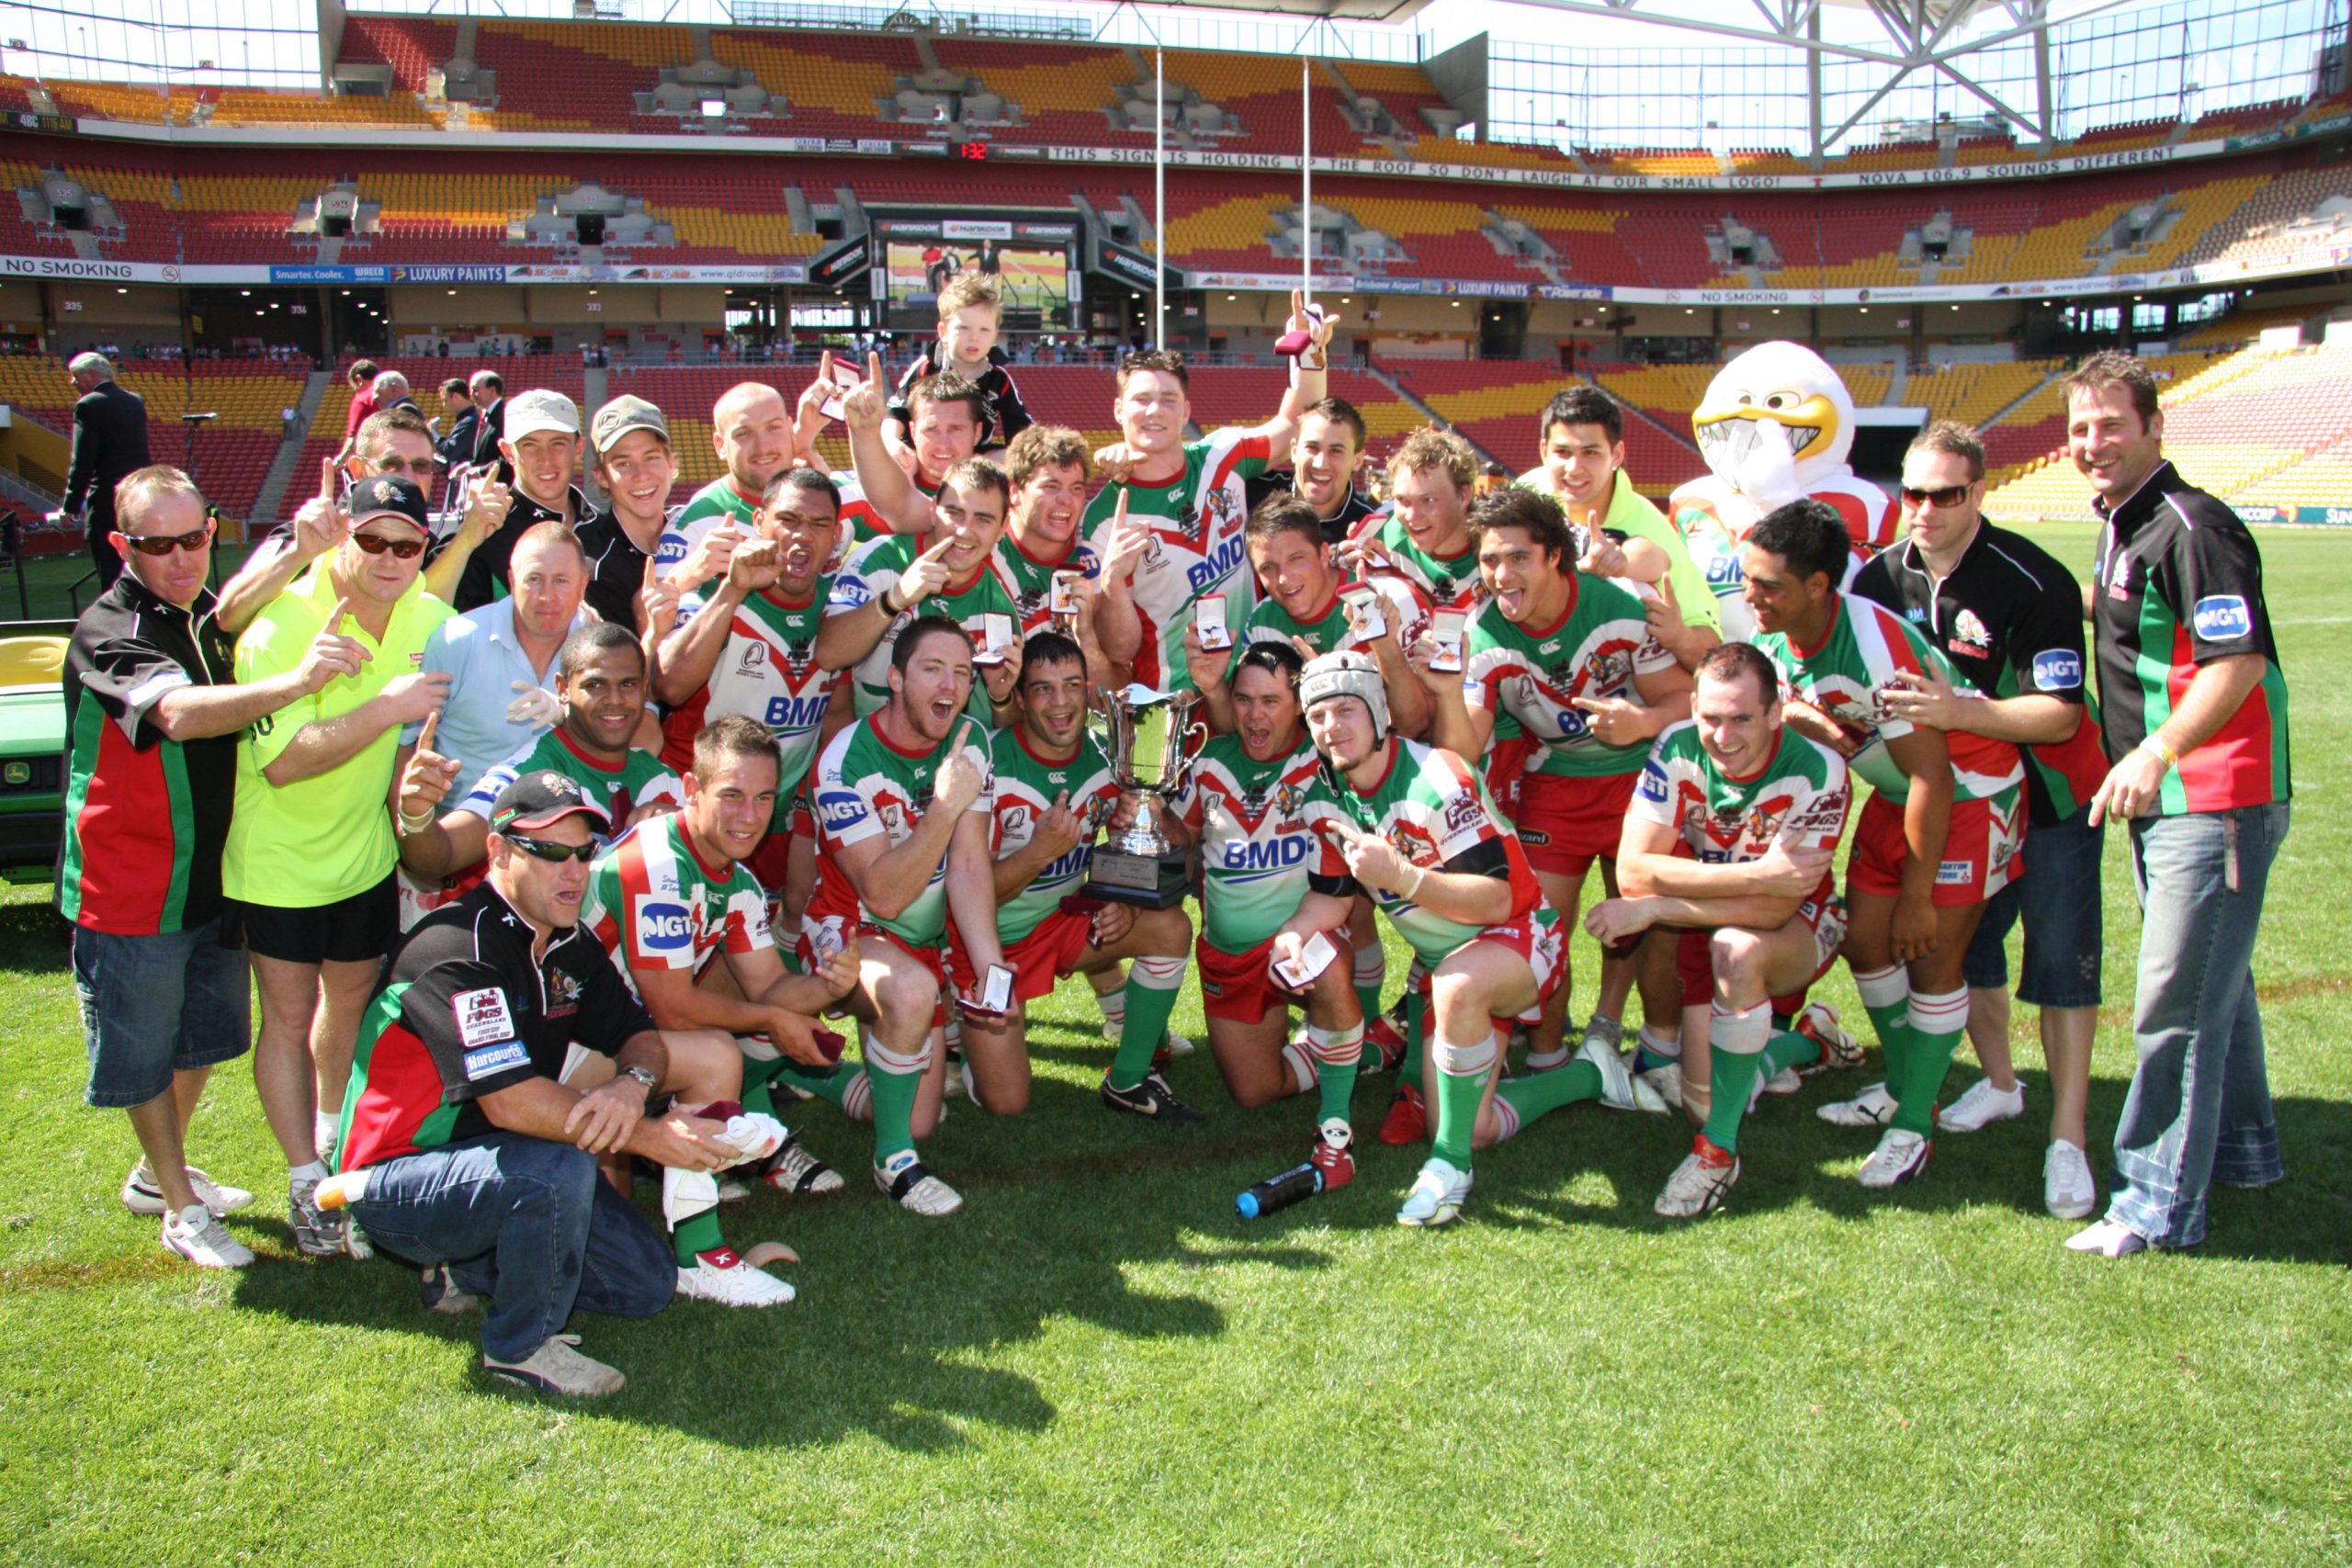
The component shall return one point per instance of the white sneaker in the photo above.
(317, 1232)
(2109, 1238)
(720, 1275)
(1664, 1081)
(1785, 1081)
(1178, 1044)
(903, 1179)
(324, 1128)
(557, 1366)
(1982, 1106)
(1697, 1187)
(1620, 1089)
(1840, 1049)
(355, 1242)
(1437, 1196)
(1900, 1156)
(196, 1235)
(732, 1191)
(795, 1170)
(141, 1196)
(2067, 1189)
(1871, 1108)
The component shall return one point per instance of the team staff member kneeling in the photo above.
(467, 1155)
(1728, 849)
(1414, 829)
(687, 924)
(1938, 837)
(1053, 788)
(1265, 891)
(903, 797)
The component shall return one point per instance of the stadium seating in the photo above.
(233, 452)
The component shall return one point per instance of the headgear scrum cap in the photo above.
(1346, 674)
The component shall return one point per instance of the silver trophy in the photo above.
(1148, 736)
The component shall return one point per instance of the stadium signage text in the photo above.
(68, 266)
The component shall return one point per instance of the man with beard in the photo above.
(903, 798)
(1053, 789)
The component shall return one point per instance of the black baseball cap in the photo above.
(540, 798)
(387, 495)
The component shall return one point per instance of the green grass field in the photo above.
(1097, 1362)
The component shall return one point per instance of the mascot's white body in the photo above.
(1775, 426)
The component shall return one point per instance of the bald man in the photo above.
(751, 429)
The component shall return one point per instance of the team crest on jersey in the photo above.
(1016, 821)
(1464, 811)
(800, 657)
(754, 660)
(563, 995)
(1968, 634)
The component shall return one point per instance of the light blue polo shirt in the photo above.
(484, 660)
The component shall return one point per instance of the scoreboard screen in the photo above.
(1032, 262)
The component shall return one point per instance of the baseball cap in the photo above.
(387, 495)
(622, 415)
(540, 798)
(529, 413)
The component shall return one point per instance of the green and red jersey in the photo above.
(1259, 857)
(466, 1010)
(1026, 786)
(639, 779)
(1846, 676)
(2010, 620)
(1030, 579)
(873, 570)
(2179, 585)
(1799, 796)
(654, 903)
(767, 672)
(1402, 606)
(146, 818)
(1534, 675)
(866, 785)
(1196, 519)
(1450, 583)
(1436, 814)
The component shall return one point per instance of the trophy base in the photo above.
(1149, 882)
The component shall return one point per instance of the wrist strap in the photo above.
(890, 609)
(411, 826)
(2155, 747)
(1420, 875)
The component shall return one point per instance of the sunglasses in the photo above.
(164, 544)
(376, 545)
(1950, 495)
(422, 468)
(539, 849)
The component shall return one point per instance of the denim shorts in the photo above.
(2057, 898)
(153, 1006)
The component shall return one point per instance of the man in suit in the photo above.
(109, 444)
(457, 448)
(489, 391)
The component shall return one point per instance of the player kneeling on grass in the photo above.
(467, 1149)
(1938, 837)
(903, 798)
(1053, 787)
(1265, 893)
(687, 924)
(1416, 829)
(1728, 852)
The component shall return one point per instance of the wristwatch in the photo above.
(644, 1076)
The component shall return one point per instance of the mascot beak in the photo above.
(1806, 423)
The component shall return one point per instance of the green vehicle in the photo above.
(32, 747)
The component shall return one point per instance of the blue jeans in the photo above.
(529, 1224)
(2057, 897)
(2200, 1105)
(153, 1006)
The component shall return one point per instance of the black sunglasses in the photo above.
(539, 849)
(1950, 495)
(164, 544)
(376, 545)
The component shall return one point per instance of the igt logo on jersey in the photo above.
(842, 809)
(2223, 617)
(664, 926)
(1653, 785)
(2057, 669)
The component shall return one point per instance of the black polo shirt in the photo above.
(1336, 527)
(1007, 415)
(2010, 619)
(484, 578)
(2179, 585)
(616, 567)
(466, 1010)
(146, 818)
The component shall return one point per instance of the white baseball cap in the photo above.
(529, 413)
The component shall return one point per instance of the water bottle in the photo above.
(1277, 1192)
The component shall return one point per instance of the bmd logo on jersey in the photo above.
(2221, 618)
(1216, 566)
(1277, 854)
(2056, 669)
(663, 928)
(793, 715)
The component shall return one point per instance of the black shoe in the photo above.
(1154, 1099)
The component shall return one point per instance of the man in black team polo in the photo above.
(1322, 472)
(152, 719)
(2009, 619)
